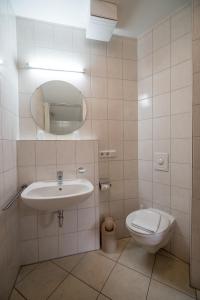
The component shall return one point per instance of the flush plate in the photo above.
(161, 161)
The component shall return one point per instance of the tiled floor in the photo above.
(130, 273)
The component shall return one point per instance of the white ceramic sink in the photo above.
(48, 195)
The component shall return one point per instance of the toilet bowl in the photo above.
(151, 228)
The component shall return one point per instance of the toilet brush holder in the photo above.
(108, 236)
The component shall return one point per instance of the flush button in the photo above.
(161, 161)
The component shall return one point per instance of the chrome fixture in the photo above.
(60, 218)
(60, 177)
(81, 170)
(14, 198)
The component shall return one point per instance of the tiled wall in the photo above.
(110, 88)
(9, 247)
(195, 245)
(41, 238)
(165, 121)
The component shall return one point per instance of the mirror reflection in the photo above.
(58, 107)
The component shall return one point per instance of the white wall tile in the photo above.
(161, 59)
(145, 44)
(46, 173)
(68, 244)
(45, 153)
(114, 48)
(65, 152)
(161, 194)
(115, 110)
(115, 89)
(48, 248)
(145, 109)
(182, 49)
(145, 149)
(161, 82)
(47, 225)
(181, 23)
(181, 126)
(86, 219)
(129, 70)
(130, 130)
(145, 66)
(161, 128)
(145, 129)
(145, 170)
(161, 35)
(145, 87)
(130, 110)
(130, 49)
(161, 105)
(181, 150)
(98, 66)
(114, 68)
(130, 90)
(181, 75)
(98, 87)
(29, 252)
(86, 240)
(84, 152)
(181, 175)
(181, 101)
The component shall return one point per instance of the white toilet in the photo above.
(151, 228)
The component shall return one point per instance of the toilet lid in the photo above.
(147, 221)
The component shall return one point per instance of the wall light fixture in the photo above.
(37, 66)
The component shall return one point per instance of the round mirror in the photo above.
(58, 107)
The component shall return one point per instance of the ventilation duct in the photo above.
(102, 20)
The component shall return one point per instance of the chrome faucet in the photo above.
(60, 177)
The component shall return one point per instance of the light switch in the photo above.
(161, 161)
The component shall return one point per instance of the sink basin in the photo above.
(48, 195)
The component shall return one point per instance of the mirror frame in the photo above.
(83, 103)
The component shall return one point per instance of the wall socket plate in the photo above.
(107, 153)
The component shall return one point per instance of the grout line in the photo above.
(16, 282)
(52, 292)
(175, 288)
(20, 294)
(151, 276)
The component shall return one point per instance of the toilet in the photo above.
(151, 228)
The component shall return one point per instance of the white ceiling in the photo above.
(135, 16)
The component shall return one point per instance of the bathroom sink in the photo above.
(49, 195)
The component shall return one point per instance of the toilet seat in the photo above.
(163, 224)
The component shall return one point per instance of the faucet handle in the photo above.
(59, 174)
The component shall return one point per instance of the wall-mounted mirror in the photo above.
(58, 107)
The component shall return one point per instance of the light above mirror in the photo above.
(53, 67)
(58, 107)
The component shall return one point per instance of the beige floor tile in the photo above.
(102, 297)
(137, 258)
(126, 284)
(94, 269)
(159, 291)
(121, 244)
(41, 282)
(16, 296)
(73, 289)
(68, 262)
(24, 271)
(173, 272)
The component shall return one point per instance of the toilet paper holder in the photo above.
(104, 184)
